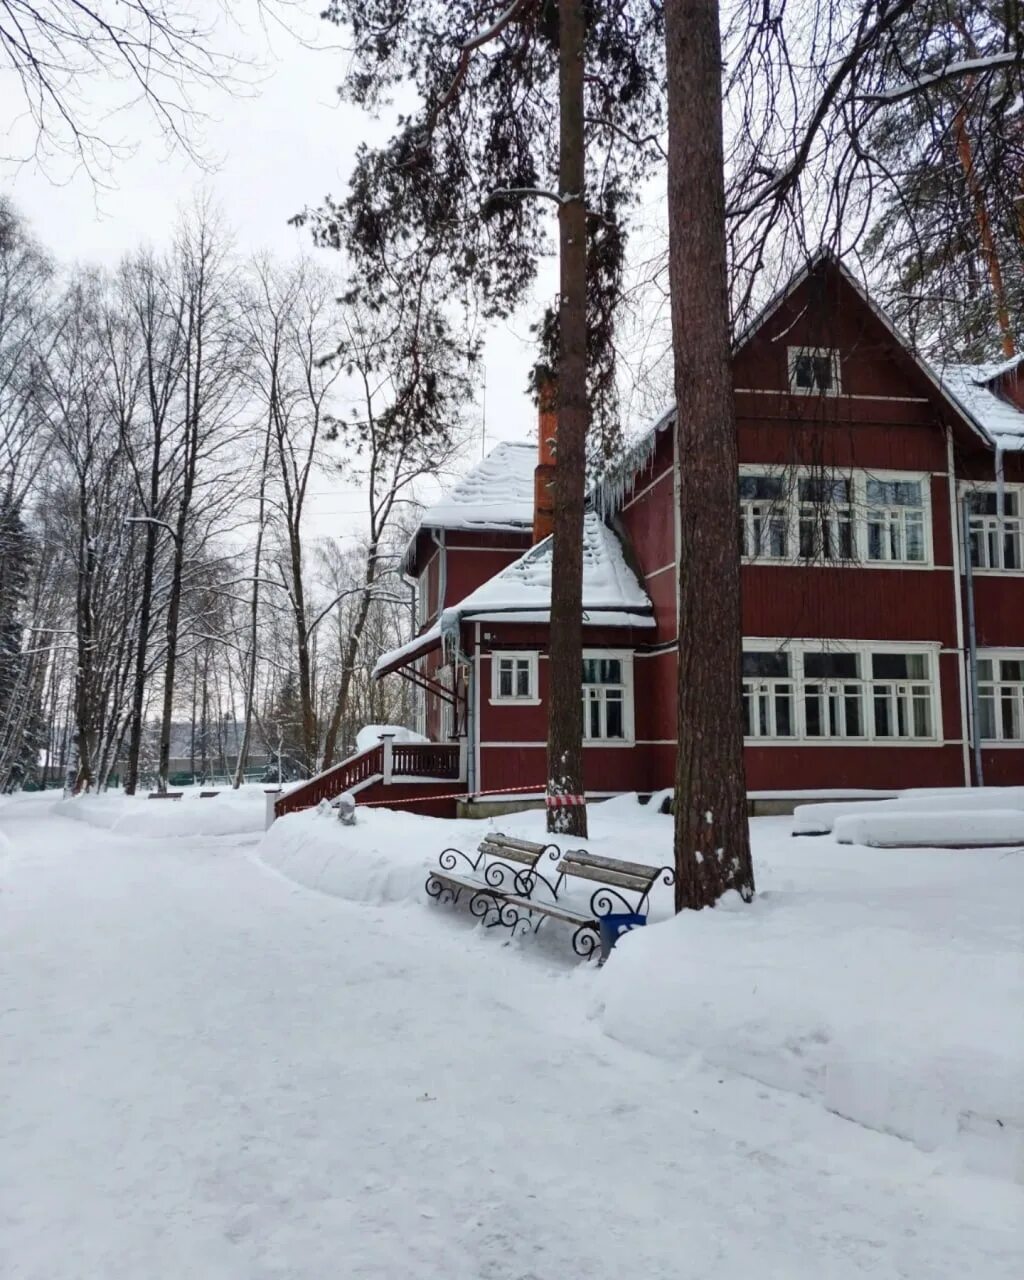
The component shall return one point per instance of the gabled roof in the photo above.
(966, 389)
(972, 388)
(521, 592)
(496, 494)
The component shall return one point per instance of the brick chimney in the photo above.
(544, 475)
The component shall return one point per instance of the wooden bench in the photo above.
(166, 795)
(499, 869)
(615, 878)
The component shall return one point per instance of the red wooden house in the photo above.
(879, 650)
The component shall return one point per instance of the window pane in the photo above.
(590, 671)
(595, 718)
(523, 678)
(825, 490)
(894, 493)
(883, 722)
(899, 666)
(831, 666)
(922, 715)
(984, 668)
(760, 488)
(766, 665)
(812, 714)
(987, 715)
(1010, 669)
(982, 504)
(784, 713)
(505, 678)
(613, 715)
(854, 728)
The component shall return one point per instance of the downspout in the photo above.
(958, 598)
(473, 719)
(972, 641)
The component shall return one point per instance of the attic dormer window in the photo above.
(814, 371)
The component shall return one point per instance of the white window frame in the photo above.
(791, 506)
(866, 685)
(767, 690)
(995, 526)
(999, 688)
(527, 656)
(625, 657)
(831, 354)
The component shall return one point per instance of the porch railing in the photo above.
(425, 759)
(391, 762)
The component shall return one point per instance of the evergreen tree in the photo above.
(523, 105)
(950, 234)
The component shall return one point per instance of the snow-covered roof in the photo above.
(495, 494)
(971, 386)
(521, 592)
(609, 585)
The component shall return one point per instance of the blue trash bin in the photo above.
(612, 926)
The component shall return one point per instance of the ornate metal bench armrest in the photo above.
(526, 882)
(665, 876)
(448, 860)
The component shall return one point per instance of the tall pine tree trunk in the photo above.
(141, 654)
(712, 845)
(565, 692)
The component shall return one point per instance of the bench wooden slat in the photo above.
(467, 882)
(586, 872)
(555, 909)
(612, 864)
(508, 853)
(528, 846)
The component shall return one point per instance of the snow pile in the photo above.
(386, 856)
(816, 819)
(889, 990)
(945, 829)
(228, 813)
(369, 735)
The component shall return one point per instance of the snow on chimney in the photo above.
(544, 475)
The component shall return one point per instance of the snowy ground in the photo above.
(209, 1071)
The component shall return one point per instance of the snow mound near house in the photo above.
(369, 735)
(887, 988)
(229, 813)
(816, 819)
(383, 858)
(946, 829)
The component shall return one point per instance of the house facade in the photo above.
(882, 648)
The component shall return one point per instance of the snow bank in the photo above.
(228, 813)
(953, 829)
(383, 858)
(386, 856)
(889, 990)
(369, 735)
(817, 819)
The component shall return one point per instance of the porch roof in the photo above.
(521, 592)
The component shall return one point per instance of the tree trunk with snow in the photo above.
(712, 845)
(565, 686)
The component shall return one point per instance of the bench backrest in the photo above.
(633, 877)
(508, 849)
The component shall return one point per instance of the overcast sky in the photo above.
(282, 147)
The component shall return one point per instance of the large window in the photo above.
(514, 677)
(847, 692)
(1001, 697)
(997, 540)
(607, 697)
(804, 516)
